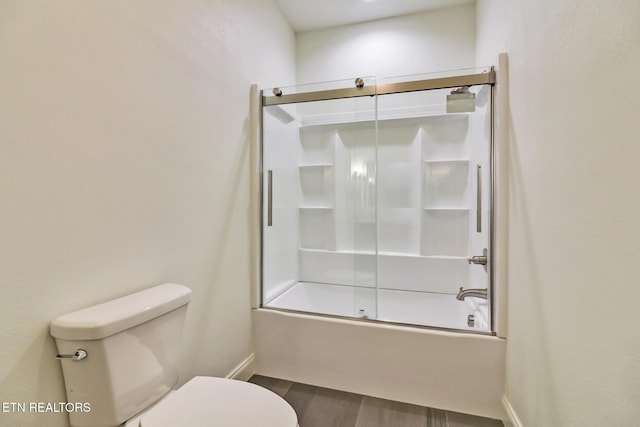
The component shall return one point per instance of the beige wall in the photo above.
(123, 164)
(438, 40)
(574, 203)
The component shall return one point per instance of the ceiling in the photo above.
(309, 15)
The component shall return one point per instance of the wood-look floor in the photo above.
(323, 407)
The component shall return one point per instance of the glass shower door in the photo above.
(433, 207)
(319, 202)
(377, 199)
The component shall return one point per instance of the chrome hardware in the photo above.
(470, 320)
(277, 91)
(479, 259)
(359, 82)
(384, 89)
(269, 198)
(78, 355)
(479, 200)
(475, 293)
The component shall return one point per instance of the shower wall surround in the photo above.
(375, 207)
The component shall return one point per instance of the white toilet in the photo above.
(121, 358)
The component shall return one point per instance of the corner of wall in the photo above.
(244, 370)
(512, 417)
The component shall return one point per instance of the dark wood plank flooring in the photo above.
(323, 407)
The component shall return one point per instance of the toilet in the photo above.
(120, 365)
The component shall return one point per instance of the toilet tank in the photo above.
(133, 349)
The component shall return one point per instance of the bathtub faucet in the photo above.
(477, 293)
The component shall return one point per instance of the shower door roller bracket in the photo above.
(480, 259)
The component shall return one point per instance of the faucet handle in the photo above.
(479, 259)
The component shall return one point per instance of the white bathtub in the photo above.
(448, 370)
(389, 305)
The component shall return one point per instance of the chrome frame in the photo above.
(479, 198)
(492, 173)
(384, 89)
(261, 204)
(388, 89)
(269, 198)
(491, 333)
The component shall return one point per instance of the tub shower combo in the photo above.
(376, 202)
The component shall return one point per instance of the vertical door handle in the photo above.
(269, 198)
(479, 199)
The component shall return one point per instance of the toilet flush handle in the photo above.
(78, 355)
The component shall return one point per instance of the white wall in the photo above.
(124, 164)
(574, 199)
(425, 42)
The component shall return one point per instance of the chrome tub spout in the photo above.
(476, 293)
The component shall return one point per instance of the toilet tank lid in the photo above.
(103, 320)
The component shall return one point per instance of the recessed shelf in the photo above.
(397, 254)
(448, 161)
(387, 254)
(445, 209)
(340, 252)
(397, 116)
(317, 165)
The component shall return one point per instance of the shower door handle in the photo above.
(479, 199)
(269, 198)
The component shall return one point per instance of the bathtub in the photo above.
(388, 305)
(455, 371)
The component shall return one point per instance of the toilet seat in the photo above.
(219, 402)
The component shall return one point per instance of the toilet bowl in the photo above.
(222, 401)
(120, 359)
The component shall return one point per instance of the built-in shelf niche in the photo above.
(419, 223)
(446, 187)
(317, 192)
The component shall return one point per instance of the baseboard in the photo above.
(244, 370)
(513, 420)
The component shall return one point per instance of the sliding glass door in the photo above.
(319, 228)
(377, 202)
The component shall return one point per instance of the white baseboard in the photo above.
(244, 370)
(513, 420)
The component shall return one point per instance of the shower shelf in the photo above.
(401, 115)
(402, 254)
(446, 209)
(386, 254)
(340, 252)
(448, 161)
(318, 165)
(316, 207)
